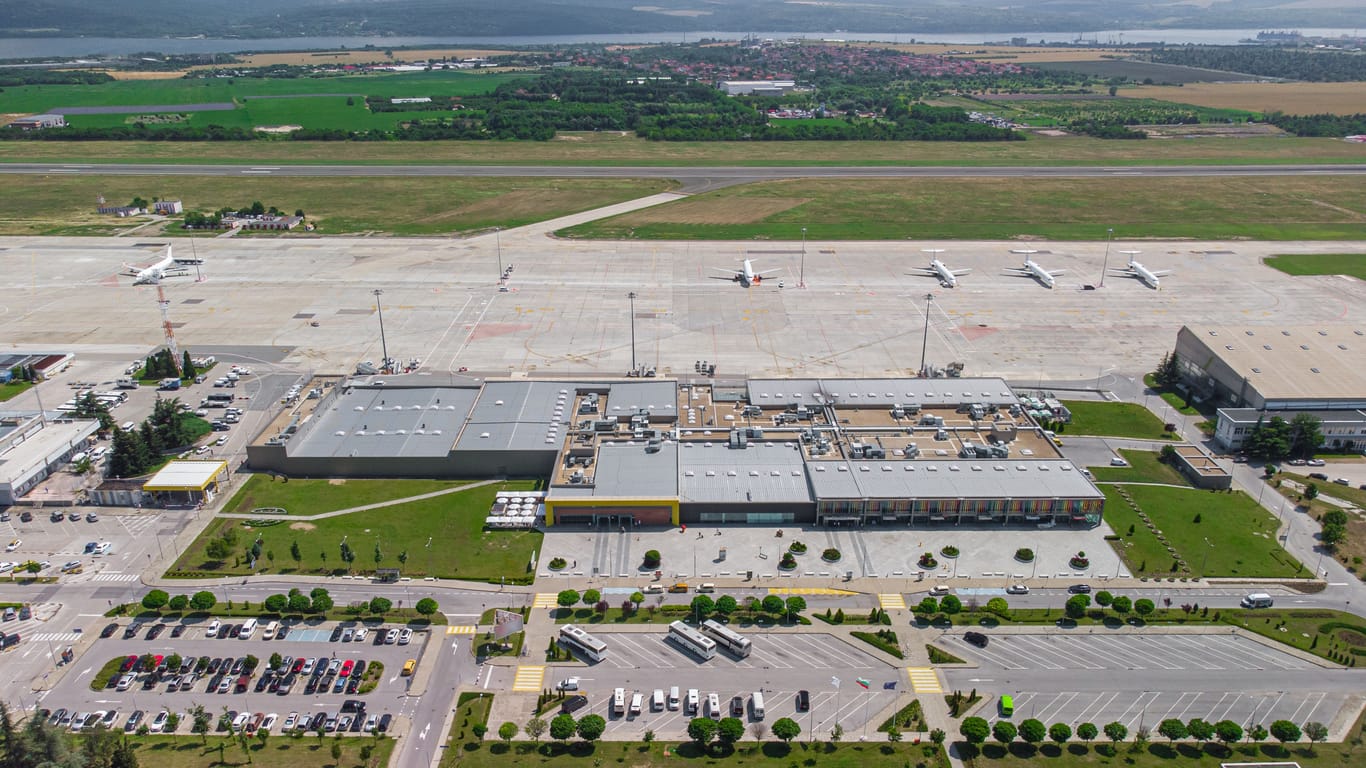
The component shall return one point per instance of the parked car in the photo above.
(405, 636)
(391, 637)
(976, 638)
(1017, 589)
(109, 631)
(386, 718)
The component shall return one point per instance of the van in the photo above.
(756, 705)
(270, 630)
(673, 697)
(713, 706)
(212, 630)
(636, 702)
(1257, 600)
(128, 426)
(619, 702)
(691, 709)
(98, 453)
(657, 700)
(248, 629)
(680, 587)
(79, 457)
(707, 588)
(1007, 706)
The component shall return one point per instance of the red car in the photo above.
(298, 665)
(128, 663)
(346, 667)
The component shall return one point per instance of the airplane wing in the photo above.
(957, 272)
(1018, 272)
(923, 272)
(767, 272)
(1161, 272)
(1055, 272)
(725, 269)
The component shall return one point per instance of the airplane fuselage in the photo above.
(945, 274)
(153, 274)
(1039, 273)
(1146, 275)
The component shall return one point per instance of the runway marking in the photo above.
(892, 602)
(924, 680)
(461, 629)
(528, 679)
(808, 591)
(545, 600)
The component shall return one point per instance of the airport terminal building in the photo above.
(857, 452)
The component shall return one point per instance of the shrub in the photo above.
(652, 558)
(797, 548)
(949, 551)
(831, 555)
(927, 561)
(557, 563)
(788, 562)
(1024, 555)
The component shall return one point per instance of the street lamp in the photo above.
(632, 297)
(925, 339)
(801, 277)
(1109, 234)
(498, 238)
(1205, 559)
(383, 345)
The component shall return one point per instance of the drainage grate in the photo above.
(192, 301)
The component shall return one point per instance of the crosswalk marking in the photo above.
(892, 602)
(808, 591)
(546, 600)
(55, 637)
(460, 629)
(528, 679)
(115, 576)
(925, 680)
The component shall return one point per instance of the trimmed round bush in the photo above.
(1024, 555)
(557, 563)
(652, 558)
(927, 561)
(788, 562)
(797, 548)
(949, 551)
(831, 555)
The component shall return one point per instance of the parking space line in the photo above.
(1133, 648)
(1295, 718)
(1058, 703)
(1198, 695)
(835, 653)
(1192, 655)
(791, 650)
(1086, 714)
(991, 656)
(1214, 718)
(1041, 651)
(767, 659)
(1079, 651)
(528, 679)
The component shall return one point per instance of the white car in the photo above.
(360, 635)
(13, 545)
(1017, 589)
(126, 682)
(269, 722)
(240, 722)
(938, 591)
(159, 722)
(203, 449)
(291, 720)
(405, 636)
(221, 440)
(568, 684)
(7, 566)
(391, 637)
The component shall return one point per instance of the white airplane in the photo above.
(1137, 270)
(745, 275)
(155, 273)
(1032, 269)
(947, 277)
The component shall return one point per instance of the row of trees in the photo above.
(162, 365)
(1275, 438)
(157, 599)
(318, 600)
(36, 744)
(1268, 61)
(702, 606)
(976, 730)
(1076, 605)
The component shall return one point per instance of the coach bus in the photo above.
(734, 642)
(575, 640)
(700, 645)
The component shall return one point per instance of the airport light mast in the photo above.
(1105, 266)
(166, 327)
(925, 339)
(801, 276)
(632, 297)
(383, 346)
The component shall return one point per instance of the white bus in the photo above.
(701, 645)
(728, 639)
(575, 640)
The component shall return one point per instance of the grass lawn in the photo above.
(276, 752)
(312, 497)
(1260, 208)
(1333, 635)
(13, 388)
(1353, 264)
(1234, 537)
(336, 205)
(442, 537)
(472, 709)
(1144, 467)
(493, 754)
(1090, 417)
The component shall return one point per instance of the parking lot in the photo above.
(1152, 707)
(1099, 652)
(309, 643)
(639, 650)
(133, 537)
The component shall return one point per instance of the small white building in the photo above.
(167, 207)
(762, 87)
(38, 122)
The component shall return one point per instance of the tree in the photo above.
(276, 603)
(1122, 605)
(507, 731)
(124, 756)
(179, 602)
(730, 730)
(893, 733)
(836, 733)
(1200, 730)
(795, 605)
(1333, 534)
(772, 604)
(1087, 732)
(1033, 731)
(321, 603)
(1257, 734)
(1285, 731)
(725, 604)
(1316, 732)
(535, 728)
(702, 607)
(187, 369)
(1168, 373)
(1306, 434)
(201, 722)
(155, 600)
(381, 605)
(1076, 606)
(702, 729)
(427, 606)
(1228, 732)
(1060, 733)
(336, 752)
(1173, 729)
(786, 729)
(1116, 732)
(975, 730)
(298, 601)
(1144, 607)
(1104, 598)
(590, 728)
(1003, 731)
(998, 606)
(295, 553)
(951, 605)
(568, 598)
(217, 549)
(927, 606)
(591, 597)
(562, 727)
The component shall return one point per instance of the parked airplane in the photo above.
(947, 277)
(745, 275)
(169, 266)
(1032, 269)
(1140, 272)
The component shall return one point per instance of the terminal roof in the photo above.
(879, 392)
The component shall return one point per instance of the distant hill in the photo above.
(473, 18)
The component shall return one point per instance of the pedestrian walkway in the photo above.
(113, 576)
(808, 591)
(461, 629)
(892, 601)
(925, 680)
(545, 600)
(528, 679)
(53, 637)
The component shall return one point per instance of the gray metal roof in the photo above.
(961, 479)
(380, 421)
(880, 392)
(1251, 415)
(763, 472)
(627, 469)
(519, 416)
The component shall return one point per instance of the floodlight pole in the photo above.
(632, 297)
(498, 238)
(383, 345)
(925, 339)
(801, 278)
(1105, 266)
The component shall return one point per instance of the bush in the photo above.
(652, 558)
(1024, 555)
(927, 561)
(949, 551)
(556, 563)
(831, 555)
(788, 562)
(797, 548)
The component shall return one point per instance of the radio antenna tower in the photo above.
(165, 306)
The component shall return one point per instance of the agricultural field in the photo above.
(1042, 111)
(46, 205)
(1291, 98)
(1141, 71)
(1061, 209)
(1353, 264)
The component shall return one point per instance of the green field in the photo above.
(1353, 264)
(1259, 208)
(275, 752)
(616, 149)
(1144, 467)
(48, 205)
(14, 388)
(1235, 537)
(312, 497)
(442, 537)
(1090, 417)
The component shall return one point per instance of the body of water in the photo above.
(71, 47)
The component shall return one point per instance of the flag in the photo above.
(862, 682)
(835, 681)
